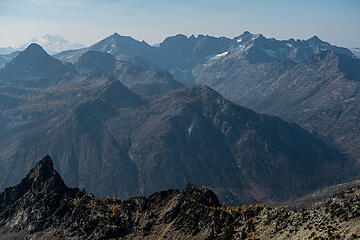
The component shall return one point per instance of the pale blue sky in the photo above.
(335, 21)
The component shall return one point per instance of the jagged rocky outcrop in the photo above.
(43, 207)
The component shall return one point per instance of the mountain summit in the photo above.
(35, 68)
(41, 180)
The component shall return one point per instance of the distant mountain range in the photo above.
(180, 55)
(310, 82)
(319, 92)
(7, 58)
(356, 52)
(51, 43)
(6, 50)
(127, 140)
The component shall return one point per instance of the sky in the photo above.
(88, 21)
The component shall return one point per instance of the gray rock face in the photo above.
(320, 94)
(43, 207)
(115, 143)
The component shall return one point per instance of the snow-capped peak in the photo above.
(53, 44)
(356, 52)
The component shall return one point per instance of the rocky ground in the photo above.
(42, 207)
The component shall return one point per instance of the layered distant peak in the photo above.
(34, 48)
(175, 40)
(145, 80)
(349, 66)
(195, 93)
(317, 45)
(121, 47)
(315, 39)
(6, 50)
(53, 44)
(118, 95)
(260, 49)
(198, 91)
(356, 52)
(35, 68)
(247, 36)
(112, 98)
(94, 60)
(33, 53)
(118, 37)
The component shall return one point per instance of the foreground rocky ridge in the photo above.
(42, 207)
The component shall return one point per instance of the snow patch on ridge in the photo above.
(220, 55)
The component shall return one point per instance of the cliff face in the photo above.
(42, 207)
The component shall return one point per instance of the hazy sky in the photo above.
(88, 21)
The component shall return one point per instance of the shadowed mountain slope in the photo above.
(35, 68)
(320, 94)
(192, 134)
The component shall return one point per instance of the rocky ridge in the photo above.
(42, 207)
(180, 55)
